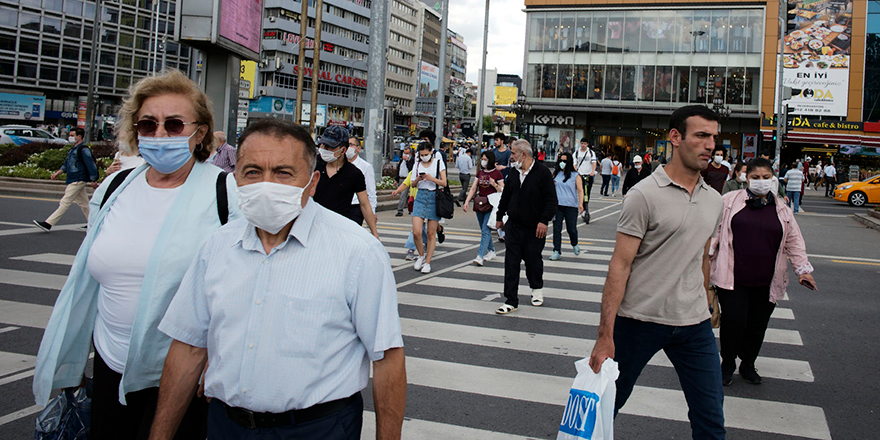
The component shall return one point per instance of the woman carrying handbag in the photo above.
(489, 181)
(429, 176)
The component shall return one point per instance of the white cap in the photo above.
(637, 158)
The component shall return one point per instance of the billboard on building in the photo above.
(22, 107)
(233, 25)
(285, 106)
(505, 95)
(816, 57)
(240, 22)
(428, 80)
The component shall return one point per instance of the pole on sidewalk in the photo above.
(300, 62)
(443, 83)
(780, 117)
(481, 92)
(93, 64)
(375, 118)
(316, 67)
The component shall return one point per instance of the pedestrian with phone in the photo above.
(757, 236)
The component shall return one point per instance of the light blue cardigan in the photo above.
(66, 343)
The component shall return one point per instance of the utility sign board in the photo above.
(233, 25)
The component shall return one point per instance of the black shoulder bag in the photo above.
(445, 203)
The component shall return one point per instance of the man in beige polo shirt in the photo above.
(655, 293)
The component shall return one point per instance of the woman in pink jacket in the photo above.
(757, 236)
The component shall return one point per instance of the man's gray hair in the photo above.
(522, 146)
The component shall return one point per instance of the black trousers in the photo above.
(356, 215)
(745, 312)
(829, 186)
(521, 246)
(465, 186)
(112, 421)
(569, 214)
(606, 182)
(344, 424)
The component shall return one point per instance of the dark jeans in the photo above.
(111, 420)
(606, 183)
(745, 312)
(829, 186)
(356, 215)
(694, 355)
(344, 424)
(522, 246)
(570, 215)
(465, 186)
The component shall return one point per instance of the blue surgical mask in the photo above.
(165, 154)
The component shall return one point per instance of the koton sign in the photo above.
(554, 120)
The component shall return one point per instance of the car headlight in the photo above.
(845, 187)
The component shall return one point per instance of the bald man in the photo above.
(224, 157)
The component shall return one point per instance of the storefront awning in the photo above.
(826, 138)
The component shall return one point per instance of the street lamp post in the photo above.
(521, 107)
(719, 107)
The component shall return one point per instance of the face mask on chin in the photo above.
(271, 206)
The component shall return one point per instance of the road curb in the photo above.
(868, 220)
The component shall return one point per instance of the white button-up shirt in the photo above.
(293, 328)
(370, 179)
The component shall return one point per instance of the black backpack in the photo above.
(222, 201)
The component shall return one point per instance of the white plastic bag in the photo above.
(494, 200)
(589, 413)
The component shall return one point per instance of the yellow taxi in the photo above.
(859, 193)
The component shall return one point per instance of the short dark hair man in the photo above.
(81, 172)
(502, 153)
(585, 163)
(664, 230)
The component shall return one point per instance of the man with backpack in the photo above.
(585, 163)
(81, 172)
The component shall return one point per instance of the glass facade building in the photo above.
(656, 58)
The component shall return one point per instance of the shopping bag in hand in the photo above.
(589, 413)
(67, 416)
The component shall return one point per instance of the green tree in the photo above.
(488, 123)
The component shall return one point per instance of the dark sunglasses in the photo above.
(173, 126)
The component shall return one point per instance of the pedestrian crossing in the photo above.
(456, 346)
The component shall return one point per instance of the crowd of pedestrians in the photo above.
(209, 272)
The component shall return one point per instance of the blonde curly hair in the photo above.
(169, 82)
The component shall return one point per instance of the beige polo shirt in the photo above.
(665, 285)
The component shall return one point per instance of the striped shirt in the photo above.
(293, 328)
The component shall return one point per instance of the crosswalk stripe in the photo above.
(48, 258)
(549, 292)
(777, 368)
(778, 336)
(32, 279)
(15, 362)
(447, 243)
(570, 258)
(449, 235)
(24, 314)
(562, 265)
(742, 413)
(548, 276)
(20, 414)
(415, 429)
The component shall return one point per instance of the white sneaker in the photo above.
(419, 263)
(537, 297)
(489, 256)
(478, 261)
(426, 268)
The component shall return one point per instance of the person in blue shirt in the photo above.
(81, 172)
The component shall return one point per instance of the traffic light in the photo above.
(774, 135)
(790, 15)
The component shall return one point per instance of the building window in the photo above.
(68, 75)
(108, 58)
(26, 70)
(70, 52)
(50, 50)
(49, 73)
(7, 42)
(27, 45)
(105, 80)
(29, 21)
(8, 17)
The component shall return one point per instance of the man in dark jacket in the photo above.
(635, 174)
(529, 199)
(81, 172)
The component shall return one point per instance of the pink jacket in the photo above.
(792, 247)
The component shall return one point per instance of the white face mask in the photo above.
(271, 206)
(760, 187)
(742, 177)
(638, 166)
(71, 139)
(718, 159)
(327, 155)
(484, 163)
(425, 158)
(350, 153)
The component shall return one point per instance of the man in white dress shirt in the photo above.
(289, 307)
(353, 156)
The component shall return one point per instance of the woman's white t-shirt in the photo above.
(126, 162)
(433, 169)
(118, 261)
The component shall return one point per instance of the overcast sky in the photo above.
(507, 26)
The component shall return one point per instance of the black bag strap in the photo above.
(222, 200)
(117, 180)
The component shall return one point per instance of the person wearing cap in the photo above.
(635, 174)
(352, 154)
(340, 180)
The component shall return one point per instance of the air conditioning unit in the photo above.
(272, 18)
(262, 92)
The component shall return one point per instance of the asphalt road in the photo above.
(473, 374)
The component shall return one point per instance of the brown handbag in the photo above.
(481, 204)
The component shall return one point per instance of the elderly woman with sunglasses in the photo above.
(146, 226)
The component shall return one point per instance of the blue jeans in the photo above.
(486, 243)
(694, 354)
(411, 242)
(795, 200)
(615, 182)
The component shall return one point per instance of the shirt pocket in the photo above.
(304, 321)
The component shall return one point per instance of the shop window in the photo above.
(736, 77)
(612, 83)
(628, 83)
(581, 82)
(663, 84)
(533, 84)
(685, 36)
(615, 32)
(682, 77)
(563, 90)
(646, 92)
(552, 34)
(597, 78)
(702, 31)
(631, 31)
(582, 33)
(752, 86)
(598, 33)
(548, 84)
(755, 32)
(719, 31)
(737, 31)
(716, 83)
(567, 33)
(700, 84)
(666, 32)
